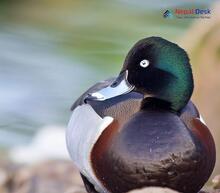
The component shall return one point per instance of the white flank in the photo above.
(201, 119)
(84, 128)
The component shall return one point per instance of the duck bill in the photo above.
(119, 87)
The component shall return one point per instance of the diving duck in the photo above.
(141, 129)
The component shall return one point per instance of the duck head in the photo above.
(156, 68)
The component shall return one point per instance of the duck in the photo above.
(141, 128)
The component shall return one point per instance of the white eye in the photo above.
(144, 63)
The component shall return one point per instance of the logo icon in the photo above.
(167, 14)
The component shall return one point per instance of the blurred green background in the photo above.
(52, 51)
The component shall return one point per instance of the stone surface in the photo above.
(216, 182)
(51, 176)
(153, 190)
(56, 177)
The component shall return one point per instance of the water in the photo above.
(38, 84)
(51, 52)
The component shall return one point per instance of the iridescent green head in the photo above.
(161, 69)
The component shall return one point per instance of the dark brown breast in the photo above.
(152, 149)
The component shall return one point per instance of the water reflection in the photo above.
(51, 51)
(38, 84)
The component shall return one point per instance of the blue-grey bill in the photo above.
(119, 87)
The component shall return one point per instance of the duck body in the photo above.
(143, 141)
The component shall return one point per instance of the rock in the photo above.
(214, 191)
(6, 175)
(164, 190)
(153, 190)
(52, 176)
(216, 182)
(76, 190)
(56, 177)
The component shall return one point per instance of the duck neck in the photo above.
(153, 103)
(177, 93)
